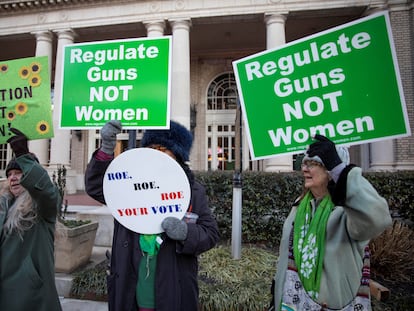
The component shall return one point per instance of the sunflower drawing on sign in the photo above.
(25, 98)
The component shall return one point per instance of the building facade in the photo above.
(207, 36)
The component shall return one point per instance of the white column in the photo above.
(180, 78)
(60, 147)
(275, 36)
(382, 155)
(155, 28)
(275, 30)
(44, 41)
(364, 156)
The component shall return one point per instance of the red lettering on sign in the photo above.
(133, 211)
(172, 196)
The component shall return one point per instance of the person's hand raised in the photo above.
(18, 143)
(108, 135)
(325, 149)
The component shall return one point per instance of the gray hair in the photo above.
(21, 213)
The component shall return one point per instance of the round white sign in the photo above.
(143, 186)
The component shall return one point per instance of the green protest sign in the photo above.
(25, 98)
(127, 80)
(343, 83)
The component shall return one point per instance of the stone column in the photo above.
(60, 147)
(180, 78)
(155, 28)
(44, 41)
(381, 154)
(275, 36)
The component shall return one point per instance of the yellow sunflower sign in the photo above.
(25, 101)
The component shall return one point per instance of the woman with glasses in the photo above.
(324, 258)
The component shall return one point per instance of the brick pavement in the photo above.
(81, 198)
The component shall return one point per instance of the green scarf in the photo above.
(149, 244)
(309, 241)
(145, 289)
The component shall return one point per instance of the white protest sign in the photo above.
(143, 186)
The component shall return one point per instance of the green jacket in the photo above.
(362, 215)
(27, 277)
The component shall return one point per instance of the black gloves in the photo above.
(18, 143)
(326, 151)
(108, 135)
(175, 228)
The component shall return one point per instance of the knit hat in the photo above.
(12, 165)
(177, 139)
(342, 152)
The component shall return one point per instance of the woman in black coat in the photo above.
(176, 268)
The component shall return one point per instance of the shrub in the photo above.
(393, 253)
(396, 187)
(219, 190)
(90, 283)
(392, 264)
(227, 284)
(267, 199)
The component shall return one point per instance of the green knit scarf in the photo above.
(309, 241)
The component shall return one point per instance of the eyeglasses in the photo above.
(309, 165)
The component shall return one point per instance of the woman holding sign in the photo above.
(155, 271)
(324, 259)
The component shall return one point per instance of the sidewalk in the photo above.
(76, 202)
(82, 305)
(82, 199)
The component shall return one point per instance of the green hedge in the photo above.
(267, 199)
(397, 188)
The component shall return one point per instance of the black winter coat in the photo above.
(177, 264)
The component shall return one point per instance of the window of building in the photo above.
(4, 159)
(222, 93)
(221, 112)
(221, 147)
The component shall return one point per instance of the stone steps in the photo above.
(64, 281)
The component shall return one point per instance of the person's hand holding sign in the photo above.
(108, 134)
(18, 143)
(325, 149)
(175, 228)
